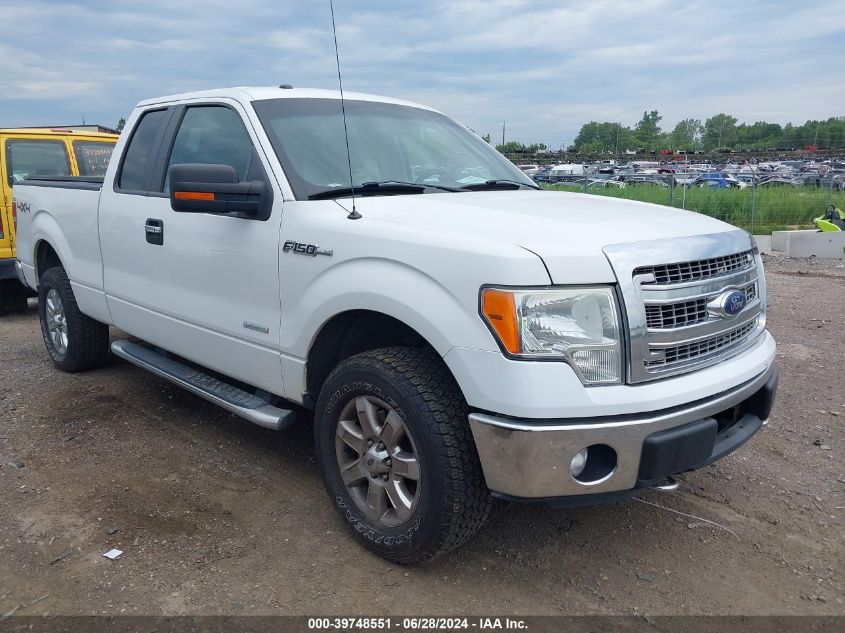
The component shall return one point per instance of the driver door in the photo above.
(212, 285)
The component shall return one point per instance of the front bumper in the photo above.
(530, 459)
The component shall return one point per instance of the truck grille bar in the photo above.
(672, 315)
(699, 349)
(700, 269)
(675, 320)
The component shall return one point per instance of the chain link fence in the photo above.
(757, 203)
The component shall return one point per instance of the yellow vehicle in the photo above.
(28, 152)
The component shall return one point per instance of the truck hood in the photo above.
(566, 230)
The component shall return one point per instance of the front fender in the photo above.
(397, 290)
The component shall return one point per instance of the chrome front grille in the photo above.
(675, 312)
(697, 269)
(750, 292)
(702, 348)
(672, 315)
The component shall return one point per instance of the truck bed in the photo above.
(92, 183)
(62, 211)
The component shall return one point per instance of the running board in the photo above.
(229, 397)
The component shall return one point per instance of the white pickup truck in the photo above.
(456, 333)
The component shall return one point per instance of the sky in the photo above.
(543, 67)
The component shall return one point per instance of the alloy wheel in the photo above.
(56, 321)
(378, 460)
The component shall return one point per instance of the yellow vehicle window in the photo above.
(92, 157)
(25, 158)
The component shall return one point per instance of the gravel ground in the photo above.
(216, 516)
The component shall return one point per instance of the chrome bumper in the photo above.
(19, 272)
(531, 458)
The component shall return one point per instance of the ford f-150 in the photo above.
(456, 333)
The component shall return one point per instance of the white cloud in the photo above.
(546, 68)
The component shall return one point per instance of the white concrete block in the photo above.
(829, 245)
(779, 238)
(764, 243)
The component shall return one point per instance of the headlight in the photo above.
(578, 325)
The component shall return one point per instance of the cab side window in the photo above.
(92, 157)
(214, 135)
(139, 156)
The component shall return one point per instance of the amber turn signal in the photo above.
(499, 308)
(193, 195)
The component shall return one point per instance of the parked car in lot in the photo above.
(40, 152)
(776, 181)
(718, 180)
(530, 170)
(605, 183)
(567, 172)
(456, 338)
(543, 175)
(645, 180)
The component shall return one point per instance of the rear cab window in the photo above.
(34, 157)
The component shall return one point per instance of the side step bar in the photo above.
(229, 397)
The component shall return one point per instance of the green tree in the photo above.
(719, 132)
(536, 147)
(511, 147)
(647, 131)
(120, 124)
(603, 137)
(486, 138)
(759, 135)
(686, 135)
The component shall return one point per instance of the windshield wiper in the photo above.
(497, 184)
(386, 187)
(418, 184)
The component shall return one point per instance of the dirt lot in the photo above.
(218, 516)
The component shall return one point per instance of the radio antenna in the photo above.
(353, 215)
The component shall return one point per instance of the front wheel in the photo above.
(75, 342)
(397, 454)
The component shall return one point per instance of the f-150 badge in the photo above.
(301, 248)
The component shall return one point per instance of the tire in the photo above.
(76, 342)
(449, 500)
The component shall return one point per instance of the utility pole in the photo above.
(503, 134)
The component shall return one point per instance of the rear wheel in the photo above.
(75, 342)
(397, 455)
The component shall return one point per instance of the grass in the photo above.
(775, 208)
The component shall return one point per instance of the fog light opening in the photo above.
(593, 465)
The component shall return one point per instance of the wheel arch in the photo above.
(353, 332)
(45, 258)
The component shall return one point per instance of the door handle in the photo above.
(154, 229)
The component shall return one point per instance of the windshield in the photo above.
(387, 143)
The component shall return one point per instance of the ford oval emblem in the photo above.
(733, 302)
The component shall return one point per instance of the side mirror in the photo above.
(200, 188)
